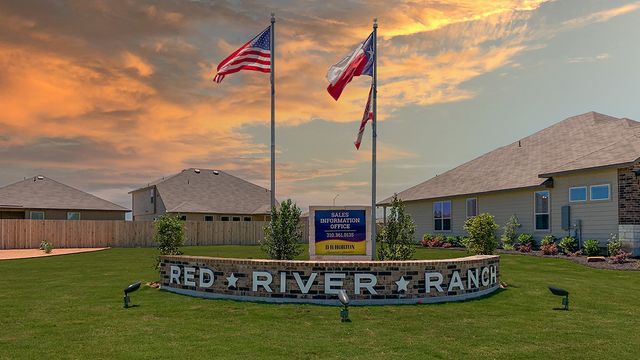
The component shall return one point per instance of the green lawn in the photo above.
(71, 307)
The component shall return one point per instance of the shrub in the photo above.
(395, 241)
(549, 249)
(620, 257)
(524, 248)
(446, 245)
(547, 240)
(509, 233)
(46, 246)
(614, 245)
(526, 239)
(169, 234)
(283, 235)
(452, 240)
(568, 244)
(591, 247)
(482, 234)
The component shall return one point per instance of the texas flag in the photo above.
(357, 62)
(368, 115)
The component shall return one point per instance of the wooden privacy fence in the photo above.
(28, 234)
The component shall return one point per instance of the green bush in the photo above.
(527, 240)
(169, 234)
(283, 235)
(568, 244)
(46, 246)
(395, 241)
(453, 240)
(509, 233)
(614, 245)
(482, 234)
(427, 237)
(548, 240)
(591, 248)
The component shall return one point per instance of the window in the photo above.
(208, 218)
(542, 210)
(73, 215)
(37, 215)
(183, 217)
(224, 218)
(153, 195)
(442, 216)
(236, 218)
(472, 207)
(600, 192)
(577, 194)
(247, 218)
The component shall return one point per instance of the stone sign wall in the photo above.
(319, 282)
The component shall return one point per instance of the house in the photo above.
(202, 195)
(42, 198)
(578, 177)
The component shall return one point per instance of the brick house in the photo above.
(579, 177)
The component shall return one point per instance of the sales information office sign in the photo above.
(339, 232)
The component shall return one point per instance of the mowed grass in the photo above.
(71, 307)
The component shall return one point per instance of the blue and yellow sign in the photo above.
(340, 232)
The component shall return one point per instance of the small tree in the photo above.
(395, 240)
(509, 233)
(482, 234)
(283, 235)
(169, 234)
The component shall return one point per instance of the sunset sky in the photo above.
(109, 95)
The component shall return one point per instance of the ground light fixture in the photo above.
(344, 299)
(561, 292)
(129, 289)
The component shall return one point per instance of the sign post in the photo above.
(339, 233)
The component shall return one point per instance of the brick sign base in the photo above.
(319, 282)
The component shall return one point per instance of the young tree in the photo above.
(395, 241)
(169, 234)
(283, 235)
(482, 234)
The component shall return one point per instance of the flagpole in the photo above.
(273, 111)
(374, 136)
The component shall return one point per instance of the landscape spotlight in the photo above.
(344, 299)
(131, 288)
(561, 292)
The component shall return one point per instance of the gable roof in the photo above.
(202, 191)
(581, 142)
(41, 192)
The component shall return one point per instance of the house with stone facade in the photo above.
(579, 177)
(42, 198)
(202, 195)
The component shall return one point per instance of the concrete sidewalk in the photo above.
(33, 253)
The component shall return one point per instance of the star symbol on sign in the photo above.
(232, 280)
(402, 284)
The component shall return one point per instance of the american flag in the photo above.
(368, 115)
(254, 55)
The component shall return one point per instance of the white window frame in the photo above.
(466, 206)
(548, 213)
(73, 212)
(586, 195)
(597, 185)
(433, 215)
(36, 212)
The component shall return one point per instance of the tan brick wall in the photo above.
(386, 273)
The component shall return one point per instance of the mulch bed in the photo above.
(630, 265)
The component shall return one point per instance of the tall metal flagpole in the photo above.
(374, 135)
(273, 111)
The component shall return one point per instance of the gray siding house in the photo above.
(202, 195)
(42, 198)
(586, 163)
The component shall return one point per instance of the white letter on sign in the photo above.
(331, 280)
(428, 283)
(264, 283)
(209, 282)
(456, 281)
(368, 285)
(304, 288)
(189, 273)
(175, 274)
(485, 277)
